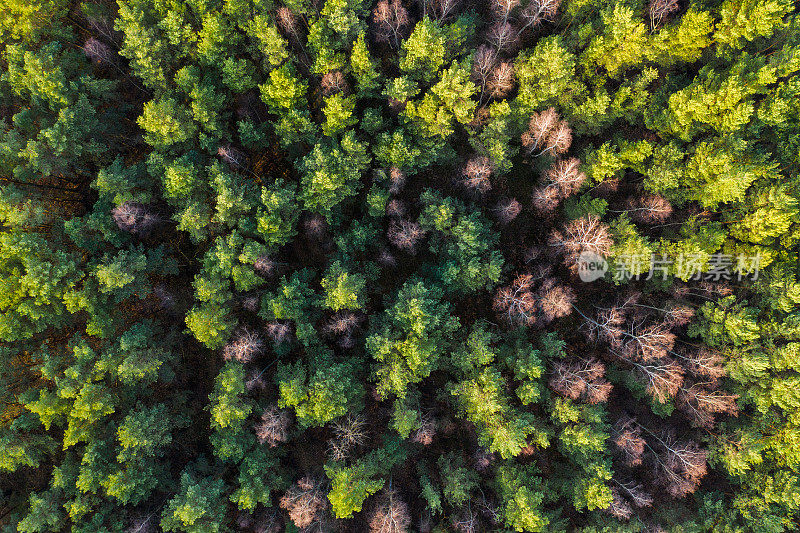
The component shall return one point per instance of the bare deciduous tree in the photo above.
(390, 21)
(98, 51)
(315, 227)
(501, 80)
(333, 82)
(503, 37)
(701, 404)
(250, 303)
(627, 437)
(586, 234)
(349, 433)
(660, 9)
(558, 140)
(646, 343)
(351, 429)
(566, 175)
(649, 209)
(619, 507)
(607, 326)
(677, 315)
(476, 173)
(395, 208)
(274, 426)
(515, 303)
(662, 379)
(440, 9)
(580, 379)
(679, 465)
(624, 495)
(342, 323)
(279, 332)
(502, 8)
(538, 11)
(704, 363)
(405, 234)
(636, 494)
(539, 128)
(554, 300)
(545, 199)
(135, 218)
(245, 345)
(265, 266)
(483, 63)
(507, 209)
(233, 157)
(289, 23)
(390, 514)
(304, 501)
(397, 179)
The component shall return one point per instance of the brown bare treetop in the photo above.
(395, 208)
(701, 404)
(440, 10)
(232, 156)
(135, 218)
(661, 8)
(507, 209)
(397, 179)
(289, 23)
(586, 234)
(391, 22)
(274, 426)
(619, 507)
(405, 234)
(538, 11)
(627, 437)
(559, 140)
(476, 173)
(580, 379)
(502, 8)
(304, 501)
(390, 514)
(504, 37)
(515, 303)
(546, 199)
(679, 465)
(539, 127)
(662, 379)
(97, 51)
(566, 175)
(333, 82)
(483, 63)
(501, 80)
(649, 209)
(245, 345)
(554, 300)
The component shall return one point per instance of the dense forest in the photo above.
(399, 265)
